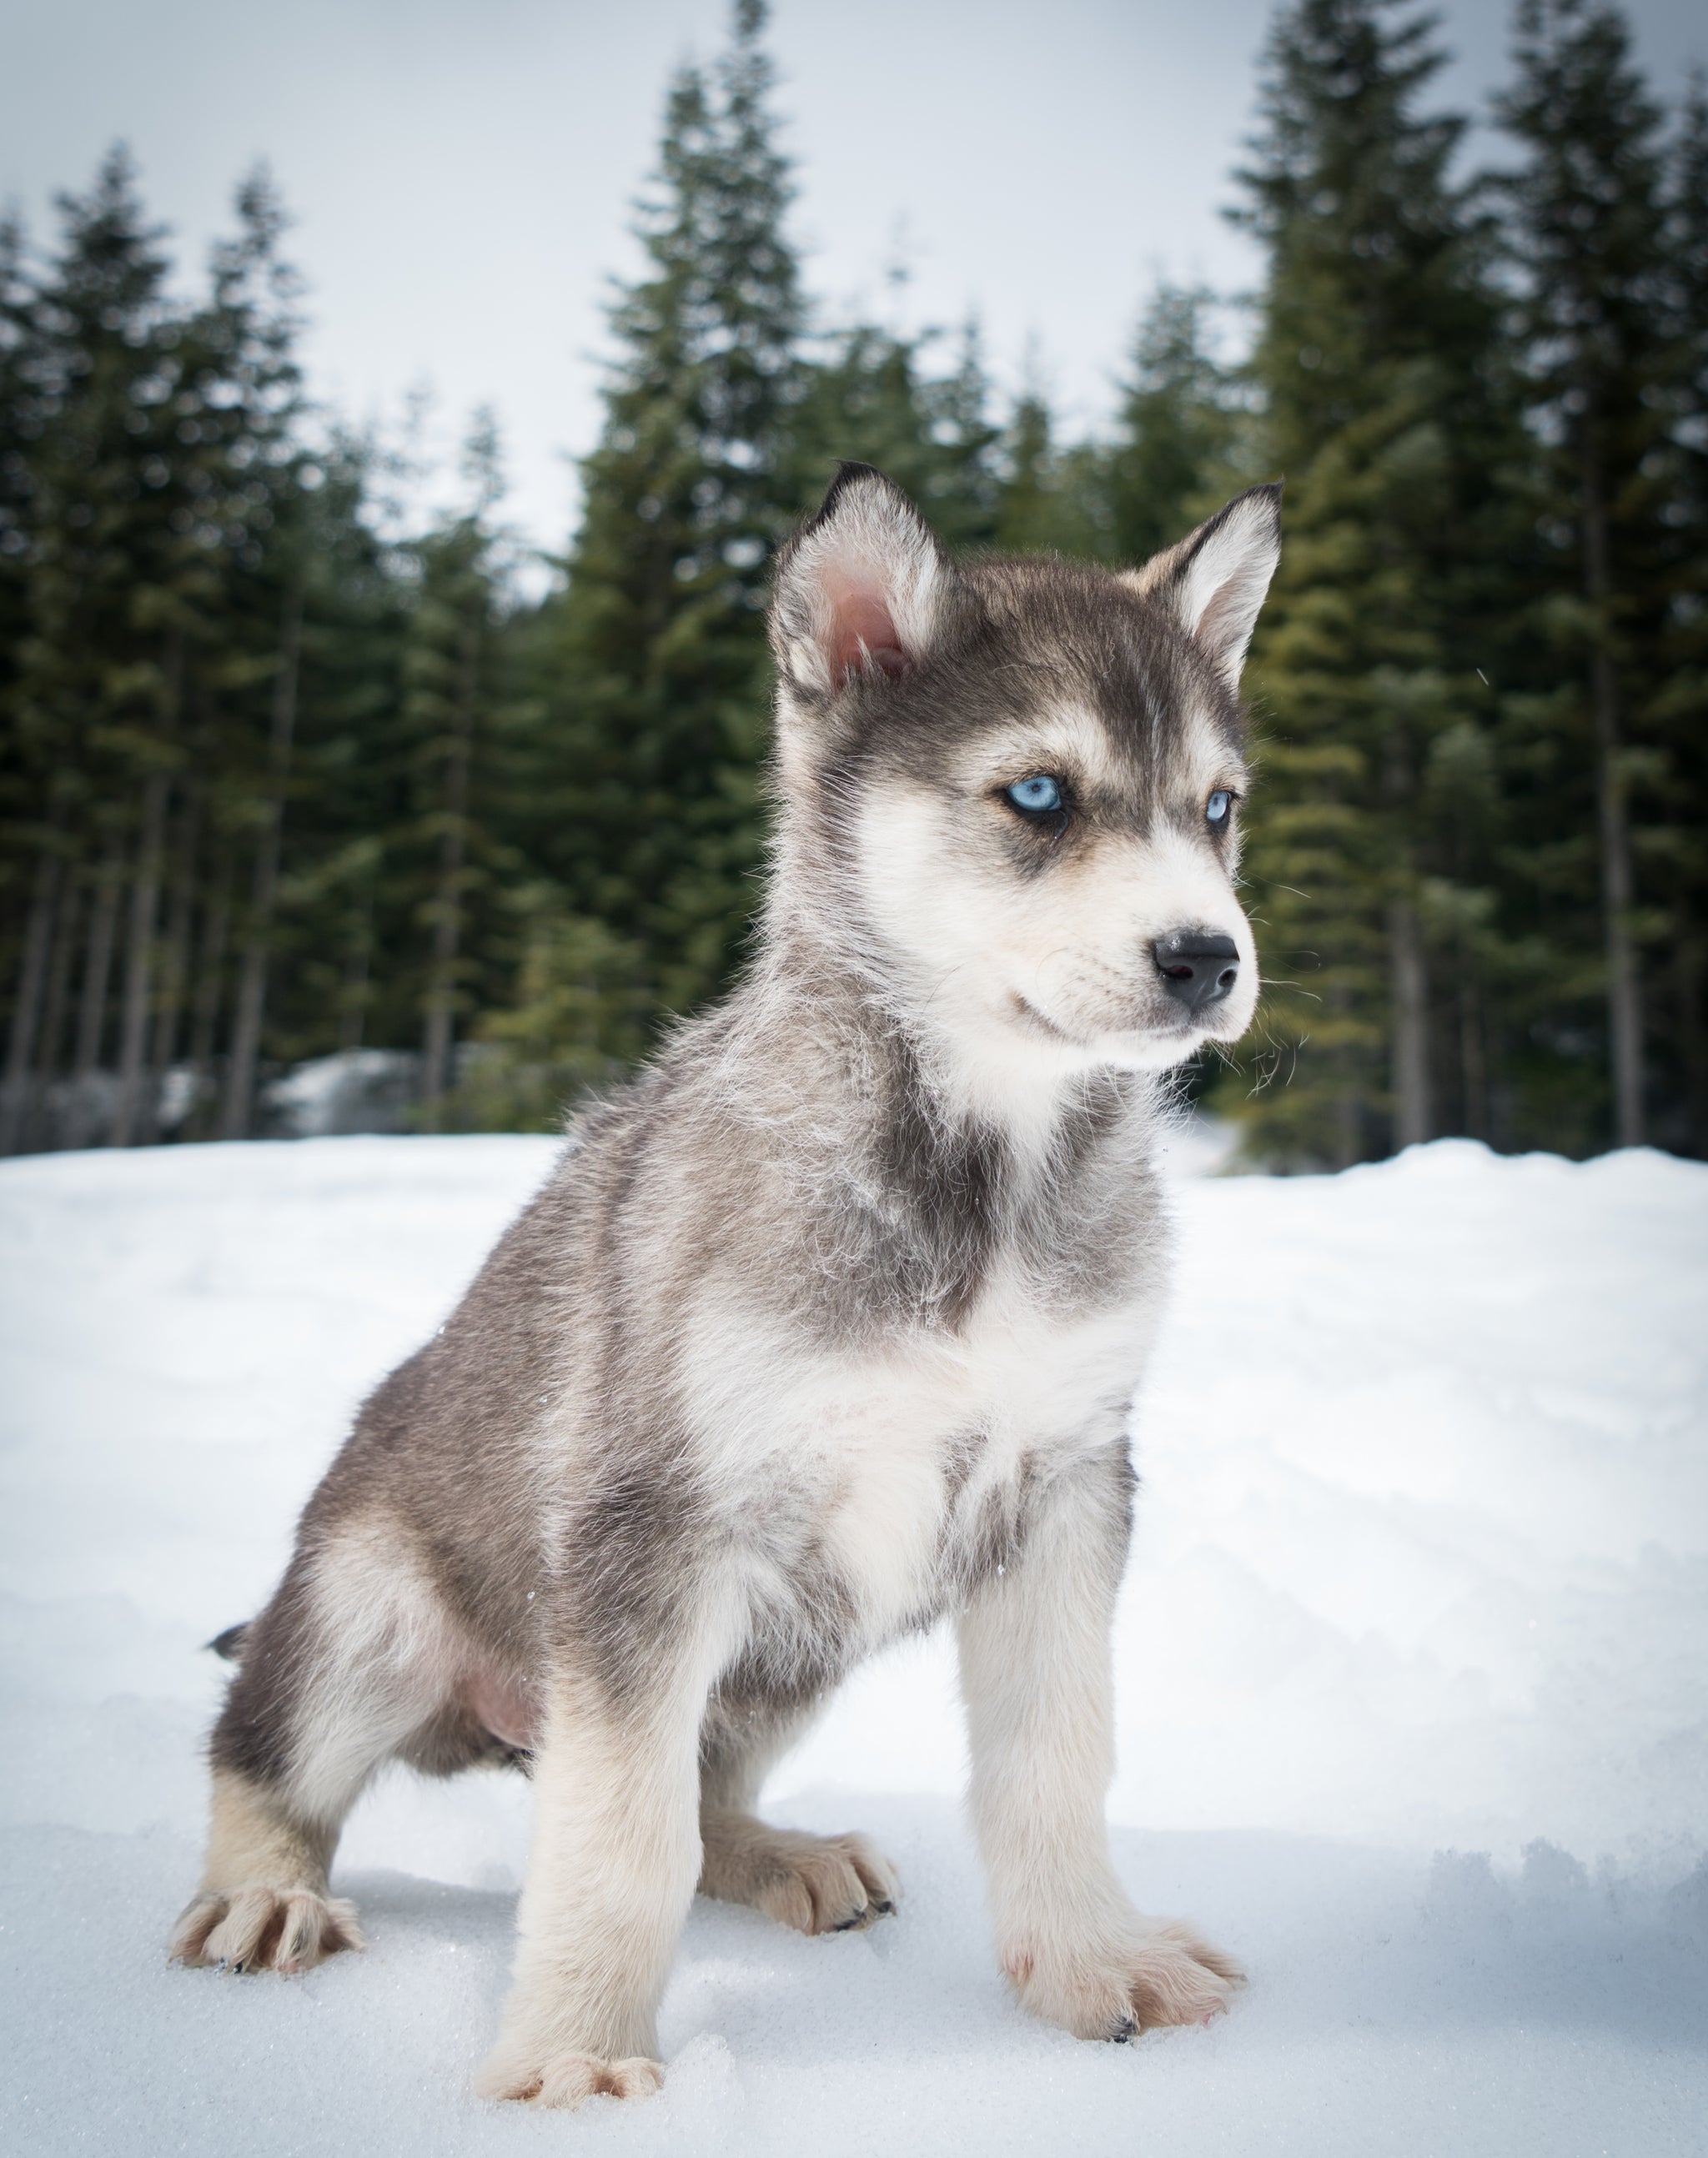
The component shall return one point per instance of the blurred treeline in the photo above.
(279, 780)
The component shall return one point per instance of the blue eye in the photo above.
(1037, 796)
(1216, 809)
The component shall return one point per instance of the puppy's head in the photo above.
(1024, 778)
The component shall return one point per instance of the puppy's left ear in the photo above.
(1215, 579)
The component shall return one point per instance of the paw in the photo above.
(1141, 1980)
(535, 2077)
(817, 1884)
(282, 1929)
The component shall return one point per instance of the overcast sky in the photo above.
(461, 171)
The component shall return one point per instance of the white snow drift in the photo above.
(1411, 1670)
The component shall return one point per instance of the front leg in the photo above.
(1035, 1672)
(611, 1874)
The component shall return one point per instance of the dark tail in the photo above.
(230, 1643)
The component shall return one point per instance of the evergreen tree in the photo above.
(578, 1014)
(345, 971)
(20, 426)
(110, 583)
(1377, 322)
(242, 373)
(658, 651)
(453, 685)
(31, 866)
(1051, 503)
(876, 398)
(1589, 243)
(1679, 826)
(1177, 431)
(272, 784)
(171, 569)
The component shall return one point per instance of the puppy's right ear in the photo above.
(860, 589)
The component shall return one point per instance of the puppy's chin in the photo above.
(1020, 1042)
(1155, 1047)
(1125, 1048)
(1161, 1048)
(1147, 1049)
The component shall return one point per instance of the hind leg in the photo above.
(263, 1904)
(347, 1662)
(817, 1884)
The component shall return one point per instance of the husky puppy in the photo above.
(825, 1327)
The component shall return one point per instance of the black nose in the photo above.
(1197, 968)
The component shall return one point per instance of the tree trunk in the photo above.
(128, 1112)
(252, 978)
(51, 1056)
(447, 911)
(1693, 1041)
(175, 968)
(1619, 884)
(1473, 1060)
(1347, 1122)
(32, 984)
(353, 1013)
(1409, 997)
(1348, 1127)
(211, 977)
(97, 976)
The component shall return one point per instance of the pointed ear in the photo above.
(860, 590)
(1215, 579)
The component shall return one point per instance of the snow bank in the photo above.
(1410, 1666)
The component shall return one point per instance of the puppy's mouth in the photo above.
(1038, 1023)
(1167, 1025)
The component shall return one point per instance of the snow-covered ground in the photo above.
(1413, 1707)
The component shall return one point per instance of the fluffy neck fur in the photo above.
(913, 1174)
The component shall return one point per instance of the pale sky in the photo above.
(461, 171)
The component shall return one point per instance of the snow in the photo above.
(354, 1089)
(1413, 1714)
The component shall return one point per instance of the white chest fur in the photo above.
(883, 1465)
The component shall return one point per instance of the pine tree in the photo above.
(658, 723)
(1376, 323)
(1590, 245)
(1677, 857)
(873, 397)
(1051, 503)
(345, 937)
(1176, 432)
(189, 581)
(272, 784)
(245, 382)
(110, 577)
(20, 426)
(452, 686)
(30, 905)
(579, 1013)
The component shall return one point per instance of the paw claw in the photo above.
(816, 1884)
(568, 2081)
(1139, 1977)
(288, 1930)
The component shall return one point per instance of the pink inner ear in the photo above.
(1216, 623)
(859, 616)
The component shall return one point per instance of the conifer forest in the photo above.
(290, 796)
